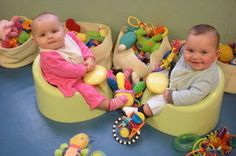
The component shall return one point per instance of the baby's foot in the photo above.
(129, 110)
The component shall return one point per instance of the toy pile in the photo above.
(126, 83)
(90, 38)
(219, 142)
(15, 32)
(228, 53)
(144, 38)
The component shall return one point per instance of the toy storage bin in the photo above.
(102, 52)
(127, 59)
(230, 77)
(18, 56)
(199, 118)
(52, 103)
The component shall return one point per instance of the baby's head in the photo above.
(201, 48)
(48, 32)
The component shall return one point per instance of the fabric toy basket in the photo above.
(102, 52)
(20, 55)
(123, 59)
(230, 77)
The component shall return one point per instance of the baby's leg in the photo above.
(90, 94)
(152, 107)
(96, 100)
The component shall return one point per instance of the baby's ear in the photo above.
(217, 54)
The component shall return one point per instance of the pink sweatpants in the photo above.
(90, 94)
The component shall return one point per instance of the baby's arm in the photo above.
(90, 63)
(52, 62)
(195, 93)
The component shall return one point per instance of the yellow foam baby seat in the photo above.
(199, 118)
(52, 103)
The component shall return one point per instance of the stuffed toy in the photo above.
(15, 32)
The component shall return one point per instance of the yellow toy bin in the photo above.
(123, 59)
(52, 103)
(230, 77)
(199, 118)
(102, 52)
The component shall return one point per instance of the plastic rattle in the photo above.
(97, 76)
(157, 82)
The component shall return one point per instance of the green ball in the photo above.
(63, 146)
(98, 153)
(58, 152)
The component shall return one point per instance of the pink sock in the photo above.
(127, 73)
(117, 102)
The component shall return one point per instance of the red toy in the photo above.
(71, 25)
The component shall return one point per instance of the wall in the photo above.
(177, 15)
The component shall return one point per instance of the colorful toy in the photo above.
(78, 146)
(127, 129)
(122, 85)
(220, 141)
(170, 55)
(15, 32)
(77, 143)
(127, 40)
(226, 53)
(145, 36)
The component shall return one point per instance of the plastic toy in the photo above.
(220, 141)
(157, 82)
(97, 76)
(127, 129)
(170, 55)
(226, 53)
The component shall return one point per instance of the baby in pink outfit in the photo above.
(65, 60)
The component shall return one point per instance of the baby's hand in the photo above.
(90, 64)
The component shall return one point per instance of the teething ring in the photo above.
(185, 142)
(130, 18)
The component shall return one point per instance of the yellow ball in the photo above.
(157, 82)
(97, 76)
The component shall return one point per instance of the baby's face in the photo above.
(49, 33)
(201, 51)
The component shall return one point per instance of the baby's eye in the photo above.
(42, 35)
(54, 31)
(204, 52)
(190, 50)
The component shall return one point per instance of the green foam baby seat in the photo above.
(199, 118)
(52, 103)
